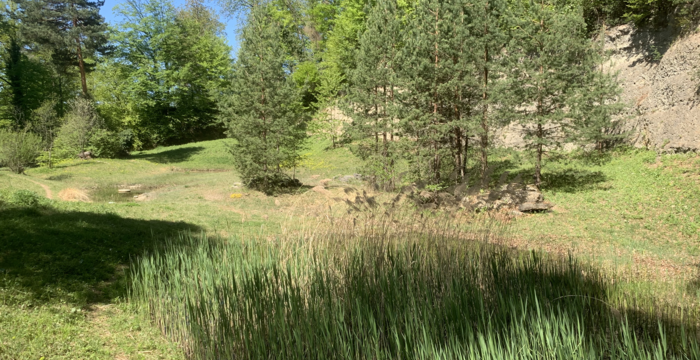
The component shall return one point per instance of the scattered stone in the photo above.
(85, 155)
(348, 178)
(534, 206)
(123, 191)
(513, 196)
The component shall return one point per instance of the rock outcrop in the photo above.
(658, 73)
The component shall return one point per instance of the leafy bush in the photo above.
(19, 149)
(105, 144)
(81, 123)
(24, 198)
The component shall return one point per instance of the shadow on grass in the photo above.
(568, 180)
(170, 156)
(431, 297)
(48, 254)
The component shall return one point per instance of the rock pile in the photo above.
(513, 196)
(85, 155)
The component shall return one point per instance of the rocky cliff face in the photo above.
(657, 74)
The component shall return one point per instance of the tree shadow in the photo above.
(396, 298)
(170, 156)
(652, 43)
(48, 254)
(572, 180)
(567, 180)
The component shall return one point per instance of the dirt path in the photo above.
(49, 194)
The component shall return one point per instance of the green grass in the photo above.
(625, 212)
(624, 215)
(394, 294)
(56, 256)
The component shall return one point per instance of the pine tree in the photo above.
(264, 113)
(554, 66)
(487, 30)
(25, 83)
(597, 106)
(441, 85)
(73, 30)
(370, 101)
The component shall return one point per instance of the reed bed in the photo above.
(381, 286)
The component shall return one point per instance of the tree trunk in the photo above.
(484, 119)
(538, 165)
(465, 160)
(458, 156)
(81, 63)
(435, 95)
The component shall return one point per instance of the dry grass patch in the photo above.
(71, 194)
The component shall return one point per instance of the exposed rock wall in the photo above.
(657, 74)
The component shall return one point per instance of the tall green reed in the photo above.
(388, 288)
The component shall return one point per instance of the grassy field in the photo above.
(631, 216)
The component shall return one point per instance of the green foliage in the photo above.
(595, 110)
(170, 67)
(370, 101)
(19, 149)
(80, 124)
(106, 144)
(343, 38)
(447, 84)
(306, 76)
(554, 72)
(46, 123)
(72, 31)
(26, 84)
(263, 112)
(22, 198)
(328, 123)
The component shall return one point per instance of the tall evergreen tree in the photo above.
(264, 112)
(370, 101)
(552, 64)
(596, 109)
(441, 85)
(26, 82)
(73, 30)
(488, 25)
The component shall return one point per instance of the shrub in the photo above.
(81, 123)
(24, 198)
(19, 149)
(105, 144)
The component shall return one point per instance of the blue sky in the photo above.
(231, 24)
